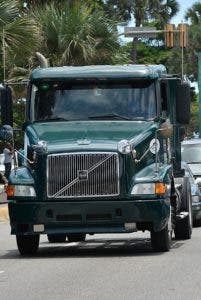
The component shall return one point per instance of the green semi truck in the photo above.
(102, 155)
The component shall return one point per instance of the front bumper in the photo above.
(89, 217)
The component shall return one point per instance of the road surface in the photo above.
(103, 267)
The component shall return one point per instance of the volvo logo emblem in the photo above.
(82, 175)
(83, 142)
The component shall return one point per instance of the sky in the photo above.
(184, 5)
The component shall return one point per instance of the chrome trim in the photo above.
(76, 162)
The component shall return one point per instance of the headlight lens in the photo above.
(154, 188)
(21, 191)
(124, 147)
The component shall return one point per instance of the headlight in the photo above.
(154, 188)
(21, 191)
(124, 147)
(40, 147)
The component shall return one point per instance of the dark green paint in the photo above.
(155, 213)
(110, 72)
(63, 136)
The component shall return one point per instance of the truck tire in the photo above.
(185, 192)
(183, 228)
(76, 237)
(27, 244)
(56, 238)
(161, 240)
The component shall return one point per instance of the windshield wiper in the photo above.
(109, 116)
(52, 119)
(57, 119)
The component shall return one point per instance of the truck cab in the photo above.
(102, 155)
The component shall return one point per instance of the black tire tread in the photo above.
(160, 240)
(27, 244)
(183, 228)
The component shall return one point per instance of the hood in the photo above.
(87, 134)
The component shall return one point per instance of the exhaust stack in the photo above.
(42, 60)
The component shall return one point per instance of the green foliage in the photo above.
(142, 10)
(19, 34)
(194, 44)
(147, 54)
(194, 122)
(152, 55)
(194, 13)
(76, 35)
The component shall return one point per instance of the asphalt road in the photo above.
(103, 267)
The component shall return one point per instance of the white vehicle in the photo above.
(2, 167)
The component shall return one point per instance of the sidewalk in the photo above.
(3, 197)
(3, 205)
(4, 216)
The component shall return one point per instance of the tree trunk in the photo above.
(133, 54)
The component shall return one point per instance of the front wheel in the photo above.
(27, 244)
(161, 240)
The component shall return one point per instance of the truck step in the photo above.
(182, 215)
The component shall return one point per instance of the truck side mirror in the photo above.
(164, 101)
(6, 103)
(25, 124)
(183, 103)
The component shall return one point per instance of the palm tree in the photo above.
(19, 36)
(162, 11)
(194, 38)
(153, 10)
(143, 11)
(76, 35)
(194, 13)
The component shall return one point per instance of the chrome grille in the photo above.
(82, 175)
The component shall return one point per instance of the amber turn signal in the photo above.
(160, 188)
(10, 190)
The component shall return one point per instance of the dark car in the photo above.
(191, 154)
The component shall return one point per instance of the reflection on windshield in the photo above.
(90, 101)
(191, 153)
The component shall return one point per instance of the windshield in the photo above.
(191, 153)
(101, 101)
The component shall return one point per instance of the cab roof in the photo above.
(101, 71)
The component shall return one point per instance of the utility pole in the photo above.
(4, 55)
(199, 88)
(183, 38)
